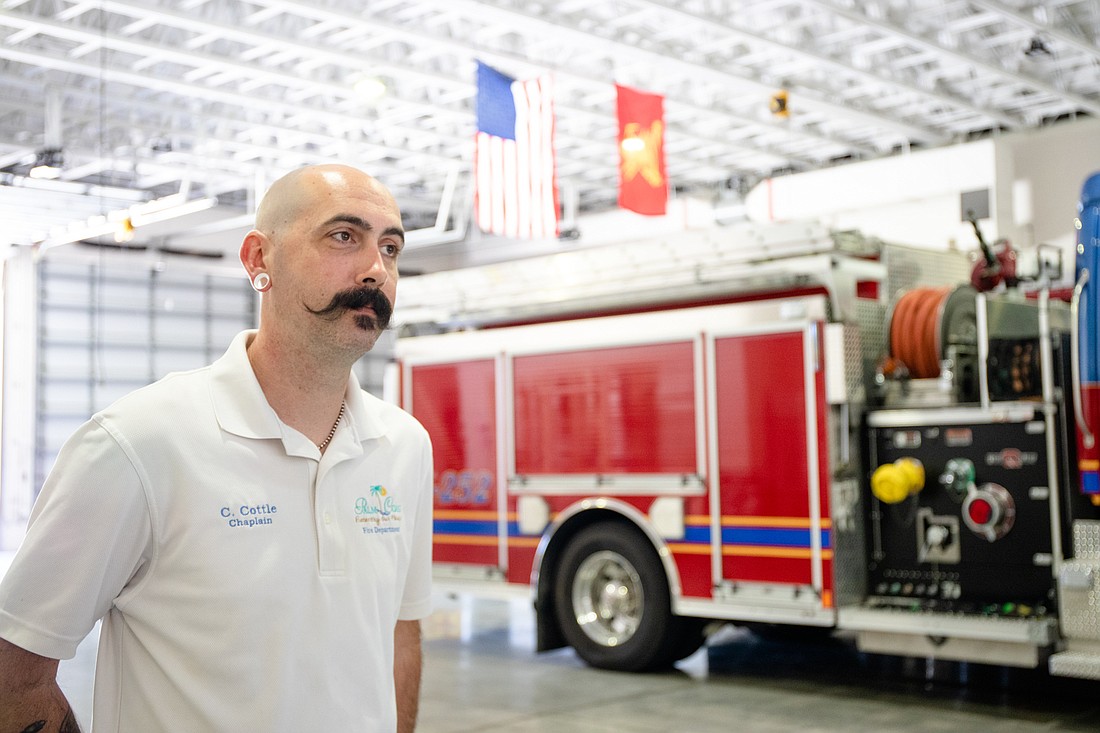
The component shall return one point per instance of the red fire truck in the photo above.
(814, 430)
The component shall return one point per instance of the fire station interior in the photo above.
(811, 450)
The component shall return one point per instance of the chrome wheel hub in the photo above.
(608, 598)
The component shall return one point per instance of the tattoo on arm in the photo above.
(68, 725)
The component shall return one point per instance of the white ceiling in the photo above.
(214, 99)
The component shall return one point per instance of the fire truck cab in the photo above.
(794, 427)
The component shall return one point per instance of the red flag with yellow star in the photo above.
(643, 179)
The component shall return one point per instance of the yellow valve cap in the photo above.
(893, 482)
(914, 471)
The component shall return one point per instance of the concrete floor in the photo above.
(482, 674)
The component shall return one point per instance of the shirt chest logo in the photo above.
(378, 512)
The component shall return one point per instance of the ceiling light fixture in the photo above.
(47, 164)
(369, 88)
(121, 223)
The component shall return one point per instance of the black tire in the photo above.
(692, 635)
(613, 602)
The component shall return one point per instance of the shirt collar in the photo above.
(242, 408)
(363, 414)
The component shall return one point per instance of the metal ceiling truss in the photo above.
(227, 94)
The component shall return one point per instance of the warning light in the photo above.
(778, 104)
(980, 511)
(989, 511)
(125, 231)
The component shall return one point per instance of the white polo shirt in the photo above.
(245, 581)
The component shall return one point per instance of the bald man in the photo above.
(255, 535)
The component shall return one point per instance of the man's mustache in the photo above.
(355, 298)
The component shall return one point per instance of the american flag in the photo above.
(516, 192)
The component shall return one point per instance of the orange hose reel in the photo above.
(915, 330)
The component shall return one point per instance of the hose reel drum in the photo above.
(932, 334)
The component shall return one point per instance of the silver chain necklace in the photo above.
(321, 446)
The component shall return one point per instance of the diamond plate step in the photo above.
(1084, 665)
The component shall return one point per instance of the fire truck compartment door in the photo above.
(457, 402)
(768, 426)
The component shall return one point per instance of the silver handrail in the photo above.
(1075, 361)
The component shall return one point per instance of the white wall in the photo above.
(1047, 170)
(1034, 180)
(907, 199)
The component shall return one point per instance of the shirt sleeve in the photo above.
(416, 602)
(89, 535)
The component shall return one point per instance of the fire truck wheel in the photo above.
(692, 634)
(613, 600)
